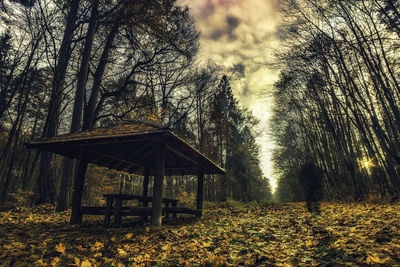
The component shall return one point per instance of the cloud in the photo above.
(226, 29)
(240, 35)
(233, 23)
(240, 68)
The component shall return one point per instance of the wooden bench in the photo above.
(118, 211)
(182, 210)
(134, 211)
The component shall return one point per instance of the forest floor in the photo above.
(275, 235)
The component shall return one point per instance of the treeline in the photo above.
(75, 65)
(337, 100)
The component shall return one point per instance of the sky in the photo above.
(242, 33)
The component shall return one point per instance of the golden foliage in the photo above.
(278, 235)
(186, 199)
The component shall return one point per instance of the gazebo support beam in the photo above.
(76, 215)
(200, 190)
(114, 157)
(146, 181)
(182, 155)
(158, 186)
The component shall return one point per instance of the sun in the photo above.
(366, 163)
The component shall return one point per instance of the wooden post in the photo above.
(107, 216)
(200, 190)
(174, 204)
(76, 215)
(146, 181)
(146, 185)
(167, 212)
(118, 213)
(158, 186)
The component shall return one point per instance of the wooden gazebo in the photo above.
(141, 148)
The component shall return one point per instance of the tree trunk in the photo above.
(44, 189)
(78, 107)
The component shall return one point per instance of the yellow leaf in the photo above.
(309, 243)
(129, 235)
(86, 263)
(121, 252)
(216, 260)
(206, 244)
(56, 261)
(107, 260)
(8, 246)
(60, 248)
(97, 245)
(77, 261)
(374, 258)
(98, 255)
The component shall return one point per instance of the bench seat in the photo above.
(134, 211)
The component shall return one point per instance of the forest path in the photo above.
(279, 235)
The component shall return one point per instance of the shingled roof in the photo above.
(131, 147)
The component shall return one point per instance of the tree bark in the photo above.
(45, 190)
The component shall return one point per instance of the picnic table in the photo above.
(141, 210)
(114, 206)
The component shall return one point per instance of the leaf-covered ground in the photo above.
(277, 235)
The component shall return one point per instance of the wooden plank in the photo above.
(138, 197)
(137, 211)
(93, 210)
(182, 210)
(90, 140)
(114, 157)
(180, 154)
(213, 167)
(140, 150)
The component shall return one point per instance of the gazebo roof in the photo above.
(131, 147)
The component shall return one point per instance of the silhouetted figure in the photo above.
(310, 177)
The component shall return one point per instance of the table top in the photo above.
(137, 197)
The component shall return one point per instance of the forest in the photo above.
(338, 98)
(69, 69)
(74, 66)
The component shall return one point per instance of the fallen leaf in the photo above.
(129, 236)
(60, 248)
(86, 263)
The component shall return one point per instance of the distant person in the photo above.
(310, 177)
